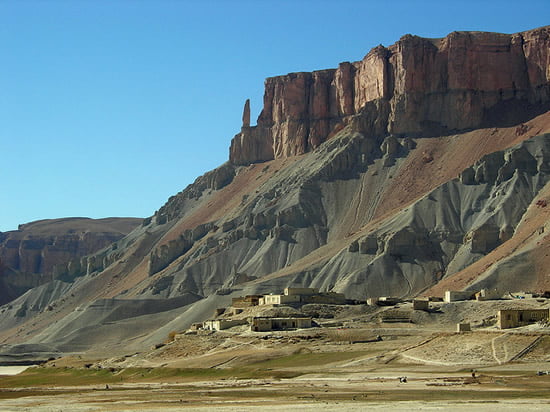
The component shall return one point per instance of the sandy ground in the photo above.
(351, 392)
(70, 405)
(12, 370)
(314, 369)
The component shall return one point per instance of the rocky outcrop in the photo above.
(251, 145)
(246, 113)
(165, 254)
(30, 255)
(421, 87)
(213, 180)
(434, 238)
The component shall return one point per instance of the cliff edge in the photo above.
(417, 87)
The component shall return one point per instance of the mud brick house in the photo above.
(454, 295)
(303, 295)
(265, 324)
(246, 301)
(221, 324)
(513, 318)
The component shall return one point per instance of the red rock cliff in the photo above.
(418, 87)
(28, 256)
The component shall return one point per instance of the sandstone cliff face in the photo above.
(422, 87)
(28, 256)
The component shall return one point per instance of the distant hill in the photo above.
(29, 255)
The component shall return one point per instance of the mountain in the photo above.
(423, 166)
(31, 255)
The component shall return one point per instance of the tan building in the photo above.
(278, 299)
(268, 324)
(246, 301)
(372, 301)
(487, 294)
(301, 291)
(513, 318)
(455, 295)
(463, 327)
(421, 304)
(303, 295)
(326, 298)
(195, 326)
(383, 301)
(260, 325)
(221, 324)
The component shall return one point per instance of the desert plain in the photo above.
(356, 359)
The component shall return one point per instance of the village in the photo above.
(241, 312)
(312, 345)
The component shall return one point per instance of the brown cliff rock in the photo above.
(536, 46)
(251, 145)
(246, 113)
(288, 98)
(372, 79)
(344, 79)
(29, 255)
(418, 87)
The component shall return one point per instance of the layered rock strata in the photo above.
(29, 256)
(416, 87)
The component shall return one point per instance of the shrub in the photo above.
(171, 337)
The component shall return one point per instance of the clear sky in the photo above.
(107, 108)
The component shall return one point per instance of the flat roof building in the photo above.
(301, 291)
(246, 301)
(455, 295)
(278, 299)
(421, 304)
(513, 318)
(221, 324)
(303, 295)
(265, 324)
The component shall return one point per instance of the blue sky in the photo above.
(107, 108)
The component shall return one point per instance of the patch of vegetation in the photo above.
(7, 394)
(171, 337)
(309, 359)
(190, 374)
(469, 397)
(48, 377)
